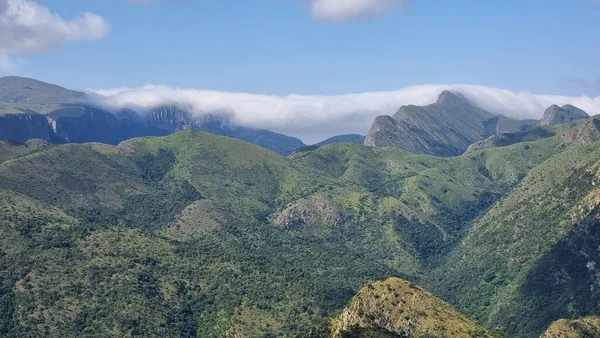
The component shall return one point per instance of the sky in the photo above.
(314, 48)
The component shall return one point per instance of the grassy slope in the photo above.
(403, 308)
(217, 260)
(588, 327)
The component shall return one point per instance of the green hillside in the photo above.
(397, 307)
(588, 327)
(530, 259)
(194, 234)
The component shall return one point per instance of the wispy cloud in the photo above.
(342, 10)
(28, 27)
(313, 118)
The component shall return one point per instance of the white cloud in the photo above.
(314, 118)
(27, 27)
(341, 10)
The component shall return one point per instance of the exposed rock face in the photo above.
(77, 124)
(445, 128)
(585, 133)
(566, 114)
(23, 127)
(82, 123)
(171, 118)
(399, 307)
(22, 90)
(35, 109)
(314, 212)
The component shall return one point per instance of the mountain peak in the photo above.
(566, 114)
(448, 97)
(400, 308)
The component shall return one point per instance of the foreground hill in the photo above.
(533, 253)
(194, 234)
(588, 327)
(399, 307)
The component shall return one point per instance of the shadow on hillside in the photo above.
(565, 283)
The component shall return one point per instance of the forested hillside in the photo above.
(194, 234)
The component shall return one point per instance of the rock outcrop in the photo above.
(445, 128)
(574, 328)
(566, 114)
(398, 307)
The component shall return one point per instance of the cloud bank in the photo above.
(341, 10)
(27, 27)
(314, 118)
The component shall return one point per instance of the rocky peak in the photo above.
(444, 128)
(448, 98)
(566, 114)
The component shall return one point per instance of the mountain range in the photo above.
(34, 109)
(186, 233)
(449, 126)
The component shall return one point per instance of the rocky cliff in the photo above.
(566, 114)
(445, 128)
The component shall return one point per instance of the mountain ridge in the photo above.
(447, 127)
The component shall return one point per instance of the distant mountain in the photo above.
(397, 308)
(445, 128)
(172, 118)
(350, 138)
(21, 90)
(566, 114)
(33, 109)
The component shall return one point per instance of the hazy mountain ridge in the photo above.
(20, 90)
(445, 128)
(35, 109)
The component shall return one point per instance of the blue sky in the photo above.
(279, 47)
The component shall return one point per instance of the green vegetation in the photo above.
(200, 235)
(397, 307)
(588, 327)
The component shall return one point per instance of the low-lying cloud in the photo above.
(314, 118)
